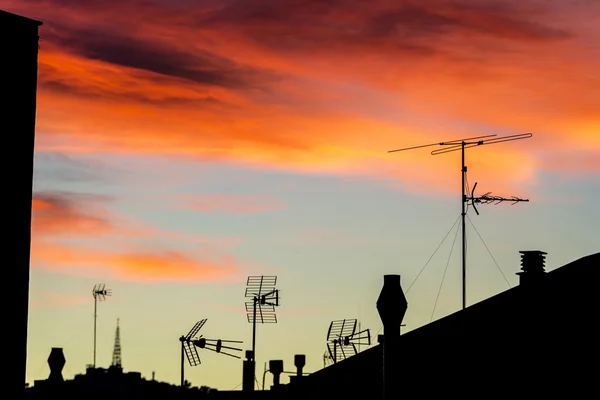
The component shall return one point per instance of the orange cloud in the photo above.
(320, 86)
(145, 266)
(233, 203)
(59, 215)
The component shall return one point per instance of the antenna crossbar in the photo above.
(458, 141)
(467, 145)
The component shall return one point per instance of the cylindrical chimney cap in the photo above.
(276, 366)
(249, 355)
(391, 280)
(299, 360)
(533, 261)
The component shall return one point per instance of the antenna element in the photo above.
(190, 344)
(342, 339)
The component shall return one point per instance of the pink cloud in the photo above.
(231, 203)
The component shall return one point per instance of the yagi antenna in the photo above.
(190, 343)
(261, 309)
(217, 346)
(99, 292)
(342, 339)
(466, 200)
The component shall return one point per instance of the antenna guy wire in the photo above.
(490, 253)
(435, 251)
(444, 275)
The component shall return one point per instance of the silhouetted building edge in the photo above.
(19, 41)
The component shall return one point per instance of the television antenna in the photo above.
(99, 292)
(261, 309)
(190, 343)
(342, 339)
(466, 199)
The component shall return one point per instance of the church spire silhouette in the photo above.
(116, 360)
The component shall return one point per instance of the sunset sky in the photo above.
(183, 145)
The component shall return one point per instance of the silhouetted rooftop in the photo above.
(7, 18)
(523, 322)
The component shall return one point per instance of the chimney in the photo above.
(391, 306)
(532, 267)
(56, 361)
(299, 362)
(248, 372)
(276, 368)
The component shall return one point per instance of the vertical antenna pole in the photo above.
(256, 299)
(464, 233)
(254, 329)
(182, 364)
(95, 314)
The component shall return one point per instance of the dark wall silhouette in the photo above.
(18, 73)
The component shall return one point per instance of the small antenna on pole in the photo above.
(462, 144)
(99, 292)
(261, 289)
(190, 343)
(342, 339)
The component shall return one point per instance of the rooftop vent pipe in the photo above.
(248, 372)
(276, 368)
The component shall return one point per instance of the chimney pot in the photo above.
(532, 266)
(391, 306)
(276, 368)
(299, 362)
(56, 362)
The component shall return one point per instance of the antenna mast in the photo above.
(99, 292)
(261, 289)
(462, 144)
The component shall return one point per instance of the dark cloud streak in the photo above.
(198, 66)
(334, 25)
